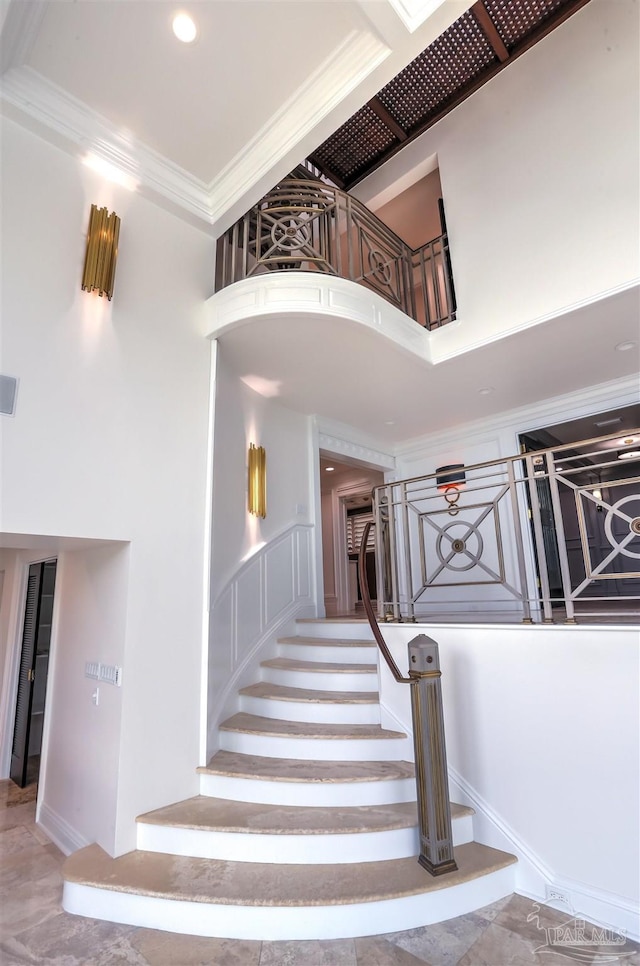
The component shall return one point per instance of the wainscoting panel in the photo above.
(248, 609)
(273, 587)
(278, 562)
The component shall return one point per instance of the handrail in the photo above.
(369, 611)
(311, 226)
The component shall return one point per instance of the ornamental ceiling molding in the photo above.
(359, 54)
(75, 125)
(334, 439)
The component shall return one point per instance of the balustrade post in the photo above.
(563, 557)
(432, 780)
(541, 557)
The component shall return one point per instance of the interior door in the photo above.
(32, 679)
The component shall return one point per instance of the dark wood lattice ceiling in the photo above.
(483, 41)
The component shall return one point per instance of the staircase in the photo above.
(306, 825)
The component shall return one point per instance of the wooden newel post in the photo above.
(434, 809)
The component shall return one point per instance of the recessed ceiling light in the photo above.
(486, 391)
(630, 440)
(329, 469)
(184, 28)
(625, 346)
(630, 454)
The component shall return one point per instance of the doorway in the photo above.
(346, 490)
(593, 533)
(32, 676)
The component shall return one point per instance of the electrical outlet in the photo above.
(555, 894)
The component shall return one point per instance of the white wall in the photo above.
(79, 780)
(109, 441)
(542, 729)
(539, 173)
(259, 567)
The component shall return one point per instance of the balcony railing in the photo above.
(553, 534)
(310, 226)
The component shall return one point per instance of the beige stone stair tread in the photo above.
(256, 725)
(233, 764)
(327, 642)
(280, 692)
(219, 814)
(289, 664)
(264, 884)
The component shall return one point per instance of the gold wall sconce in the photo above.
(102, 252)
(257, 480)
(449, 480)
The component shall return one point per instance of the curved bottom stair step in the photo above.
(213, 898)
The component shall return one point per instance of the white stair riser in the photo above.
(311, 711)
(332, 848)
(329, 653)
(308, 793)
(321, 681)
(270, 923)
(335, 848)
(346, 631)
(317, 749)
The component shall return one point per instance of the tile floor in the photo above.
(35, 930)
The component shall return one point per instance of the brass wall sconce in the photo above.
(102, 252)
(257, 481)
(449, 480)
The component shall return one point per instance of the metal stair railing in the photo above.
(312, 226)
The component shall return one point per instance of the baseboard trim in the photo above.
(59, 831)
(536, 880)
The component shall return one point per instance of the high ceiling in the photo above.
(483, 41)
(207, 127)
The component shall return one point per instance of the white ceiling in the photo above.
(394, 396)
(212, 125)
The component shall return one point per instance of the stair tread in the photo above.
(327, 642)
(274, 727)
(265, 884)
(290, 664)
(219, 814)
(233, 764)
(223, 815)
(280, 692)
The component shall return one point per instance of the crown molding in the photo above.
(573, 405)
(72, 121)
(359, 54)
(19, 30)
(345, 441)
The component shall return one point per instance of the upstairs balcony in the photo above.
(310, 226)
